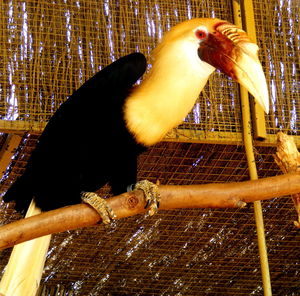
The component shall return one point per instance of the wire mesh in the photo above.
(179, 252)
(277, 25)
(49, 48)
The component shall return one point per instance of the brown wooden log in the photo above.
(226, 195)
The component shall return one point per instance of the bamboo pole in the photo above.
(227, 195)
(248, 15)
(257, 204)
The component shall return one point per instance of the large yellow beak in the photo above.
(230, 50)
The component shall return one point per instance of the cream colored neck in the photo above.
(165, 96)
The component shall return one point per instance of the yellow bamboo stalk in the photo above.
(248, 14)
(25, 267)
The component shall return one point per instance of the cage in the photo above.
(49, 48)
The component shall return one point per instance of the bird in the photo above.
(97, 134)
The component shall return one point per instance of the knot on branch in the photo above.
(131, 200)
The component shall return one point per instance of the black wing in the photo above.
(75, 151)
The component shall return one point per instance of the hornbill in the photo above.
(96, 135)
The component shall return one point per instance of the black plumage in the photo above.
(95, 137)
(85, 144)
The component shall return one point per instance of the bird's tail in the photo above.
(20, 192)
(24, 270)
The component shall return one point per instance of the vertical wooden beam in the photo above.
(258, 114)
(244, 18)
(7, 151)
(248, 142)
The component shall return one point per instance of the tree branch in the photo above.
(228, 195)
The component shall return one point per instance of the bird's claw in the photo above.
(100, 205)
(152, 195)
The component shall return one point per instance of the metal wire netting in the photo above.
(49, 48)
(278, 31)
(179, 252)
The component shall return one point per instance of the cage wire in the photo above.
(49, 48)
(277, 24)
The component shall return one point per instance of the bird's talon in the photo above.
(100, 205)
(152, 195)
(147, 204)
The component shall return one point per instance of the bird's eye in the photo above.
(201, 34)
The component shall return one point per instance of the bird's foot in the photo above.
(100, 205)
(152, 195)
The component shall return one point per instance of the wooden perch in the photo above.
(226, 195)
(288, 159)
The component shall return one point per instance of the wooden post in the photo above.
(8, 149)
